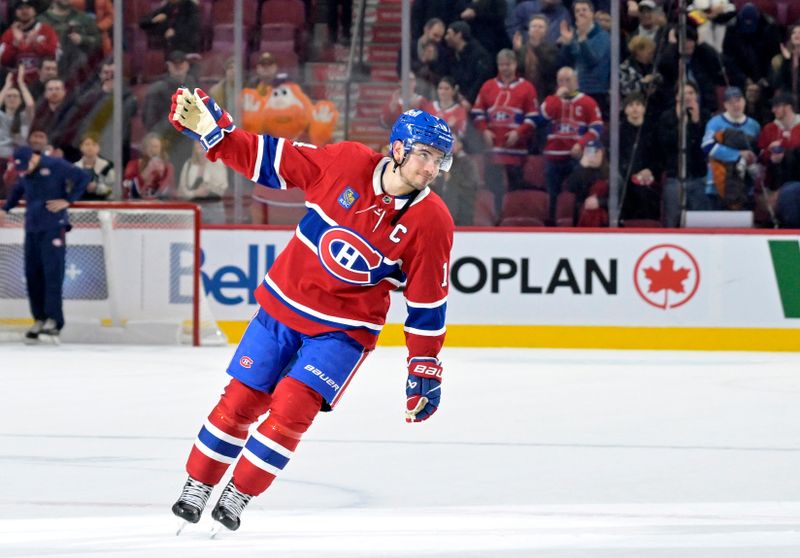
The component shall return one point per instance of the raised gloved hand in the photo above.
(200, 117)
(423, 388)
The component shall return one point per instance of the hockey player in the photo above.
(372, 225)
(43, 182)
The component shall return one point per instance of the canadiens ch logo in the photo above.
(666, 276)
(348, 198)
(348, 257)
(246, 362)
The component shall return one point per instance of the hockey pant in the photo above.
(223, 437)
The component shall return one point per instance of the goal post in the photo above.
(132, 275)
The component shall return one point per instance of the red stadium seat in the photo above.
(533, 171)
(222, 11)
(284, 11)
(153, 65)
(212, 65)
(278, 32)
(485, 215)
(565, 209)
(526, 203)
(793, 13)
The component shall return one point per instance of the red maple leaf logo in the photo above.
(666, 277)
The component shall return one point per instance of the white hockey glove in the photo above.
(423, 388)
(199, 117)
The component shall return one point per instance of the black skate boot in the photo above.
(49, 332)
(192, 501)
(32, 335)
(230, 506)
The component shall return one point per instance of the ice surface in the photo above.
(533, 454)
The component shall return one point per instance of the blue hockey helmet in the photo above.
(417, 126)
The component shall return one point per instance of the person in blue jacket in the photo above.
(49, 185)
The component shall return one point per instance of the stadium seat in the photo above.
(222, 11)
(565, 209)
(526, 203)
(767, 6)
(284, 11)
(792, 13)
(153, 64)
(277, 32)
(484, 215)
(533, 171)
(212, 65)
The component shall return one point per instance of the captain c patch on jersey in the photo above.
(348, 198)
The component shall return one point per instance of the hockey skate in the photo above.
(229, 509)
(192, 502)
(49, 332)
(32, 335)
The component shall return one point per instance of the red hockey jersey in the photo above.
(455, 116)
(502, 107)
(572, 120)
(345, 257)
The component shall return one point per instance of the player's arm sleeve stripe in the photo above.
(426, 321)
(434, 304)
(268, 163)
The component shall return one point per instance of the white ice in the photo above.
(533, 453)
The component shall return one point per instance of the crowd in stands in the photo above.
(534, 78)
(525, 85)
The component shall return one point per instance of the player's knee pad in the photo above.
(239, 406)
(294, 406)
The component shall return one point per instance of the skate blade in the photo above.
(182, 524)
(49, 339)
(31, 341)
(215, 528)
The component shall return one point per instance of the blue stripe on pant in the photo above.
(219, 446)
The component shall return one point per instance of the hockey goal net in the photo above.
(132, 275)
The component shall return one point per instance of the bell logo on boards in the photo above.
(666, 276)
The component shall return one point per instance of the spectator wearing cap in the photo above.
(730, 141)
(553, 11)
(639, 163)
(650, 17)
(573, 119)
(44, 183)
(79, 39)
(467, 61)
(537, 58)
(175, 24)
(158, 101)
(666, 145)
(27, 41)
(587, 49)
(751, 43)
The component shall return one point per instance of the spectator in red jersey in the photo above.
(447, 106)
(504, 113)
(150, 176)
(27, 41)
(574, 119)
